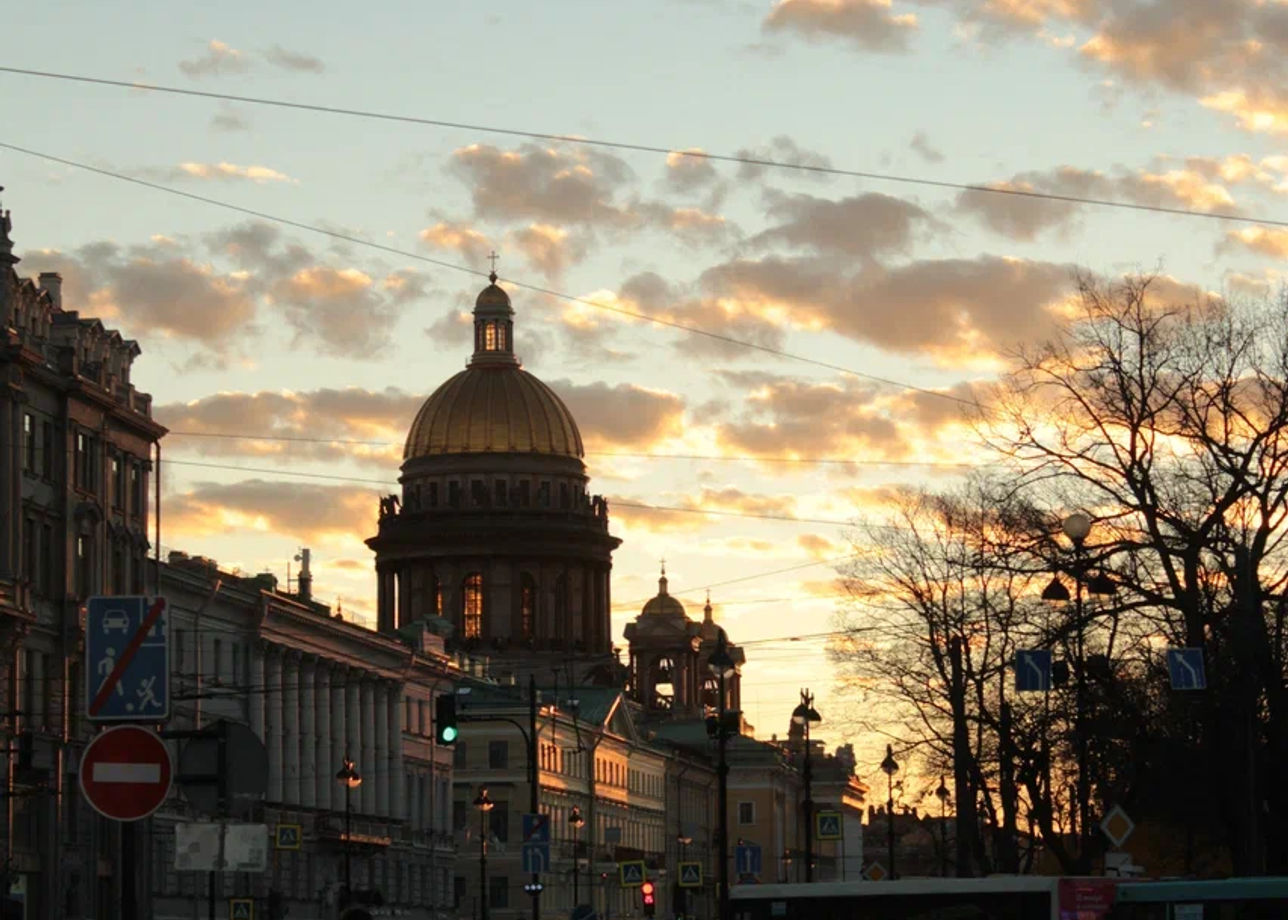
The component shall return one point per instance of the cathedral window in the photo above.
(489, 337)
(473, 605)
(543, 494)
(527, 605)
(563, 495)
(433, 495)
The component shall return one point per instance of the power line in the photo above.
(442, 263)
(642, 455)
(740, 159)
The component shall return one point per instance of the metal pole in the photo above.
(534, 777)
(722, 804)
(575, 894)
(129, 897)
(483, 863)
(348, 843)
(1080, 729)
(808, 700)
(890, 822)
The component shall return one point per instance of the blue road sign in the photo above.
(1185, 666)
(1033, 670)
(536, 828)
(690, 875)
(127, 659)
(829, 825)
(631, 873)
(536, 857)
(747, 858)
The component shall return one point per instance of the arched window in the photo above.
(472, 615)
(490, 337)
(435, 596)
(527, 605)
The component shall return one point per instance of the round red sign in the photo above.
(125, 773)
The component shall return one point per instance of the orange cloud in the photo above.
(869, 24)
(307, 511)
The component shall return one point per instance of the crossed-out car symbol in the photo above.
(116, 620)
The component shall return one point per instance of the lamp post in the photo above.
(942, 794)
(1077, 527)
(484, 805)
(890, 767)
(722, 666)
(575, 821)
(348, 777)
(803, 715)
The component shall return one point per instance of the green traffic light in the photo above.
(449, 734)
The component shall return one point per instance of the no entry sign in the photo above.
(125, 773)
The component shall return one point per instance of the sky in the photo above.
(874, 301)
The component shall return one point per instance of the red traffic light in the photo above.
(647, 889)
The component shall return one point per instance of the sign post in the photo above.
(127, 659)
(125, 773)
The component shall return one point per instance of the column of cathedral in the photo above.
(257, 699)
(325, 764)
(367, 718)
(380, 701)
(273, 728)
(309, 768)
(397, 781)
(291, 727)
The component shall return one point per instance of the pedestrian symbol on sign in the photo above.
(829, 825)
(690, 875)
(632, 873)
(287, 837)
(241, 909)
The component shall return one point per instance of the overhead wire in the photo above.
(689, 152)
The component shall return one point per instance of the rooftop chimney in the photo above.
(305, 579)
(52, 284)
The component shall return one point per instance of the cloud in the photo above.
(544, 184)
(293, 60)
(152, 289)
(381, 417)
(341, 309)
(686, 173)
(458, 237)
(222, 171)
(308, 511)
(1266, 241)
(862, 226)
(548, 249)
(782, 149)
(869, 24)
(681, 513)
(229, 119)
(920, 145)
(624, 415)
(218, 59)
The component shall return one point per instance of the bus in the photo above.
(1254, 898)
(1011, 897)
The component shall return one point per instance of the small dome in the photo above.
(663, 605)
(493, 409)
(492, 296)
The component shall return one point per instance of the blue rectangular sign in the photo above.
(1033, 670)
(747, 858)
(536, 828)
(127, 659)
(536, 857)
(1185, 667)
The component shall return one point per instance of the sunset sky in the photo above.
(253, 328)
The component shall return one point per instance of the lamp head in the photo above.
(481, 801)
(1076, 526)
(889, 766)
(348, 774)
(1055, 592)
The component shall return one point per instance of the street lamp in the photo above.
(803, 715)
(484, 805)
(890, 767)
(722, 666)
(575, 821)
(942, 794)
(349, 777)
(1077, 527)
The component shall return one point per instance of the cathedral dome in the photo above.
(493, 408)
(664, 605)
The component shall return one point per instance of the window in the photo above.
(498, 891)
(84, 462)
(29, 442)
(472, 619)
(499, 499)
(543, 494)
(564, 501)
(118, 481)
(84, 552)
(498, 755)
(47, 560)
(527, 605)
(746, 812)
(47, 449)
(489, 337)
(436, 596)
(136, 488)
(433, 495)
(458, 754)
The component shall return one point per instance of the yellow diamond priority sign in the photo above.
(1117, 826)
(875, 872)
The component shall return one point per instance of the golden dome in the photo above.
(492, 296)
(664, 605)
(493, 409)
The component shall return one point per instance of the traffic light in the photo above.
(649, 895)
(445, 730)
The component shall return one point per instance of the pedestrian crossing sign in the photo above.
(287, 837)
(241, 909)
(632, 873)
(828, 825)
(690, 875)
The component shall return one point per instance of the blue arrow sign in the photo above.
(1185, 667)
(536, 857)
(747, 858)
(536, 828)
(127, 659)
(1033, 670)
